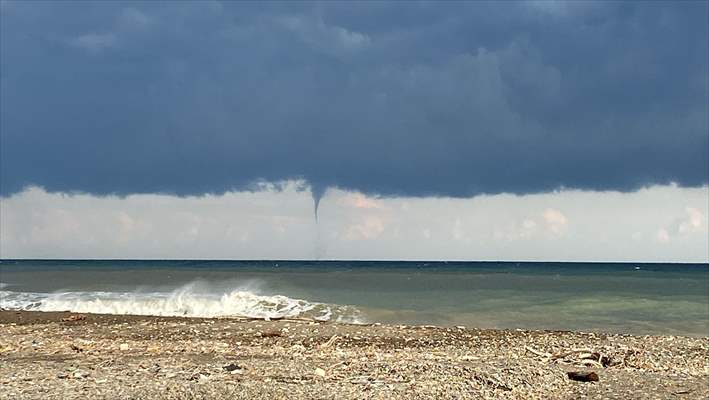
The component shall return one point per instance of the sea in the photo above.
(633, 298)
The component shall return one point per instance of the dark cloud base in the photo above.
(387, 98)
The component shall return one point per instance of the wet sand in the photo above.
(46, 356)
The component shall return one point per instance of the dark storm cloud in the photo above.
(391, 98)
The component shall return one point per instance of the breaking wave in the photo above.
(186, 301)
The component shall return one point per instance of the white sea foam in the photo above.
(186, 301)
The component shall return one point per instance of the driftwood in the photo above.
(537, 352)
(583, 376)
(330, 342)
(591, 363)
(570, 352)
(587, 357)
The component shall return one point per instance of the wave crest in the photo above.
(184, 302)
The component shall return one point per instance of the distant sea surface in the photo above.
(610, 297)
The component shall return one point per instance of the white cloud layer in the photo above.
(661, 223)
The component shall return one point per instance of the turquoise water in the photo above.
(629, 298)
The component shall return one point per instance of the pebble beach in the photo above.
(62, 355)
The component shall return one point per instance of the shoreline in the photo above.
(46, 355)
(29, 317)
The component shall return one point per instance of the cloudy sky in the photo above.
(515, 130)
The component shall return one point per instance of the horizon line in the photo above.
(358, 260)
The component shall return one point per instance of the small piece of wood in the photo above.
(536, 352)
(570, 352)
(591, 363)
(583, 376)
(330, 342)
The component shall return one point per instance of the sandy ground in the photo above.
(134, 357)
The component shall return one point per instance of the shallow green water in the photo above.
(631, 298)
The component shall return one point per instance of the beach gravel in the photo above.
(65, 356)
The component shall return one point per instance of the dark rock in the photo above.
(583, 376)
(231, 367)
